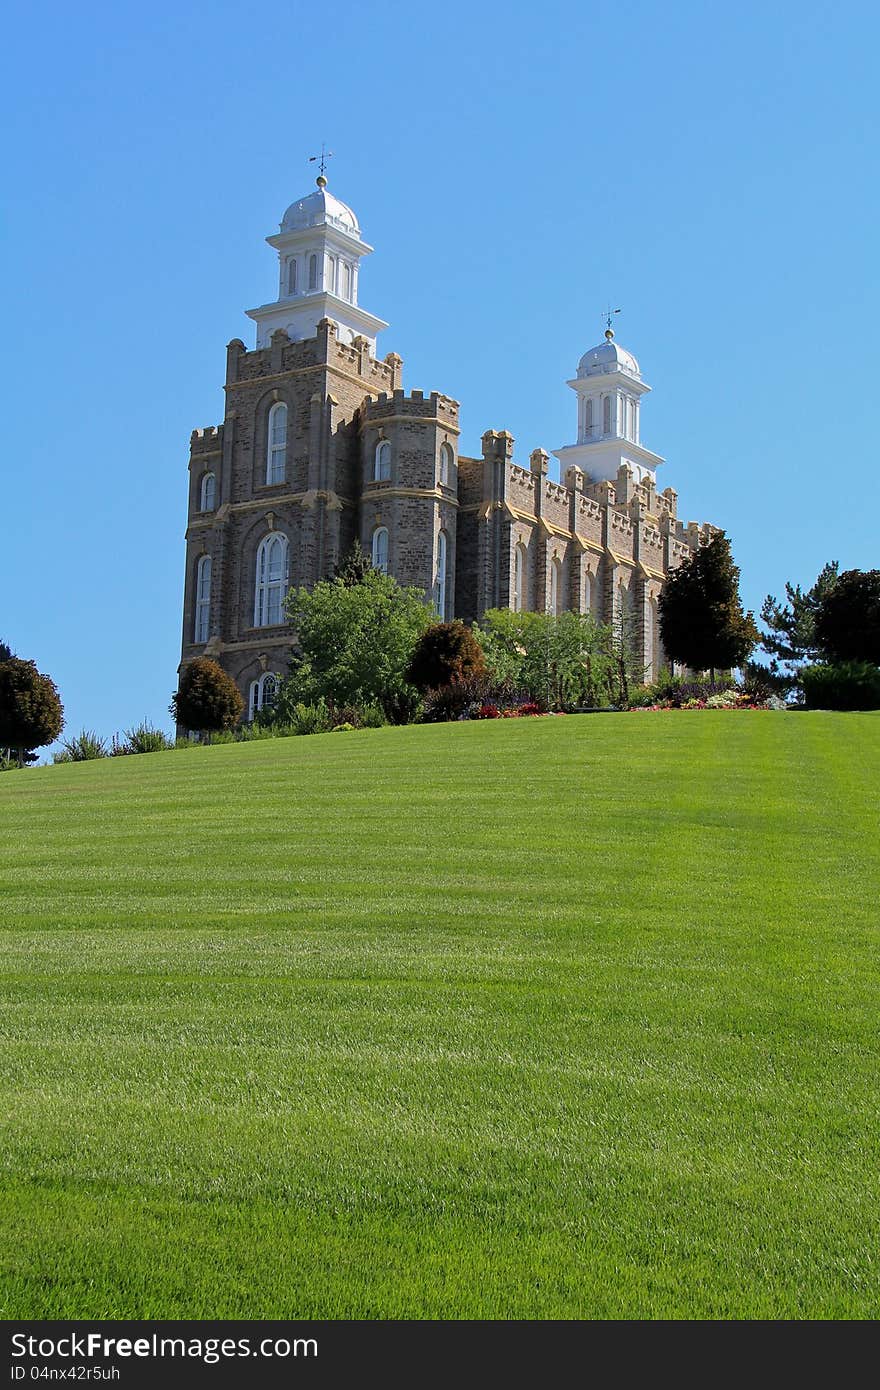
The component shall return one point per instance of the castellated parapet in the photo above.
(320, 445)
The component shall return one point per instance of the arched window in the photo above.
(380, 549)
(555, 586)
(519, 578)
(271, 586)
(276, 454)
(588, 592)
(203, 599)
(331, 274)
(382, 464)
(263, 694)
(291, 276)
(346, 281)
(208, 493)
(606, 415)
(313, 272)
(440, 593)
(623, 607)
(588, 417)
(445, 464)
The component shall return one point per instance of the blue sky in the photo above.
(712, 169)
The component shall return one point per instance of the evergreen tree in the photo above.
(847, 621)
(790, 638)
(702, 623)
(355, 567)
(31, 713)
(207, 699)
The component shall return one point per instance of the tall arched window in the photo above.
(519, 578)
(440, 593)
(346, 281)
(263, 693)
(203, 599)
(623, 607)
(445, 464)
(276, 454)
(332, 265)
(291, 276)
(588, 592)
(382, 463)
(271, 585)
(207, 493)
(606, 415)
(380, 549)
(313, 272)
(555, 586)
(588, 417)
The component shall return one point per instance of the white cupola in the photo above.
(609, 389)
(319, 247)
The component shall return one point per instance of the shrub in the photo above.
(488, 711)
(726, 699)
(343, 728)
(86, 746)
(311, 719)
(207, 699)
(373, 716)
(445, 652)
(849, 685)
(143, 738)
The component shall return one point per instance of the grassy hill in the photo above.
(571, 1017)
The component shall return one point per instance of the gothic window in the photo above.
(382, 464)
(203, 599)
(380, 549)
(291, 276)
(606, 415)
(346, 281)
(208, 493)
(263, 694)
(588, 418)
(440, 600)
(331, 274)
(276, 454)
(519, 578)
(271, 585)
(555, 586)
(313, 272)
(445, 464)
(588, 593)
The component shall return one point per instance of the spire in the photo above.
(322, 164)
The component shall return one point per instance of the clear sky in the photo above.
(710, 168)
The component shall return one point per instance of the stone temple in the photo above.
(320, 445)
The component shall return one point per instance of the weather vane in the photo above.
(321, 158)
(607, 316)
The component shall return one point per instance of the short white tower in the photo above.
(609, 389)
(319, 250)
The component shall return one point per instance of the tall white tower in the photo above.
(319, 250)
(609, 389)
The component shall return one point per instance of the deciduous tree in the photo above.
(31, 712)
(207, 699)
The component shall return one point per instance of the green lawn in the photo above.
(569, 1017)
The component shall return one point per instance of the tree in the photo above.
(6, 653)
(355, 641)
(847, 621)
(31, 712)
(207, 699)
(702, 623)
(445, 652)
(790, 638)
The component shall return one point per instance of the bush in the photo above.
(446, 652)
(207, 699)
(143, 738)
(83, 749)
(849, 685)
(463, 699)
(311, 719)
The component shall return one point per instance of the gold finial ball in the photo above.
(321, 181)
(609, 333)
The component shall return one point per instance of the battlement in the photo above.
(399, 402)
(207, 440)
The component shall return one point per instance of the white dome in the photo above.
(608, 357)
(319, 209)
